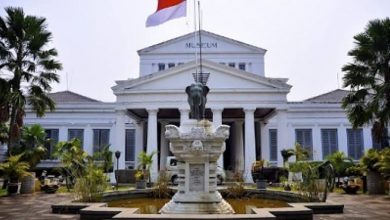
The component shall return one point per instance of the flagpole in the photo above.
(195, 39)
(200, 40)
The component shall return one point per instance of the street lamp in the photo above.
(117, 155)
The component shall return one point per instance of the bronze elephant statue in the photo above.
(197, 93)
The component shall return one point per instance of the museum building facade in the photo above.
(262, 121)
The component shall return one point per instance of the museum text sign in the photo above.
(203, 45)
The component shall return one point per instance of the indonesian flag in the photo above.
(167, 10)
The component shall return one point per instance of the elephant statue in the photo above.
(197, 93)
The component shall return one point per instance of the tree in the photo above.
(32, 144)
(368, 77)
(145, 161)
(340, 163)
(73, 159)
(27, 67)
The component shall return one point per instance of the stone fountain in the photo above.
(197, 146)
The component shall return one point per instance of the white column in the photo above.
(264, 142)
(250, 143)
(239, 146)
(88, 140)
(367, 138)
(63, 134)
(317, 145)
(151, 145)
(120, 137)
(163, 146)
(282, 131)
(217, 121)
(342, 138)
(139, 140)
(184, 115)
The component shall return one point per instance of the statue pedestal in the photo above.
(197, 147)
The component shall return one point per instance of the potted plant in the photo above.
(32, 145)
(145, 162)
(14, 169)
(384, 164)
(340, 163)
(258, 174)
(140, 182)
(370, 162)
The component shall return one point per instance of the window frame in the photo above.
(306, 146)
(333, 147)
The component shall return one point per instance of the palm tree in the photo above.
(340, 163)
(368, 77)
(73, 159)
(145, 161)
(14, 168)
(27, 68)
(384, 163)
(33, 144)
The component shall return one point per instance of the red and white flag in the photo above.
(167, 10)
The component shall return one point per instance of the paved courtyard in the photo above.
(360, 207)
(37, 206)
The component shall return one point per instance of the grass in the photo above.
(3, 192)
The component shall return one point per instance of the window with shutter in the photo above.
(355, 143)
(305, 139)
(76, 133)
(101, 138)
(273, 144)
(329, 142)
(130, 145)
(52, 135)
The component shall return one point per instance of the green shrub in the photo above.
(236, 189)
(161, 189)
(91, 186)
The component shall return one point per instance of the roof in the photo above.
(335, 96)
(69, 97)
(203, 32)
(274, 82)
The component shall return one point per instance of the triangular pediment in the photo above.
(211, 43)
(221, 78)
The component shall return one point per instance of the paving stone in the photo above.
(38, 206)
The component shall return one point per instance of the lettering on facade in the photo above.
(203, 45)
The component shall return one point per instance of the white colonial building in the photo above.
(262, 121)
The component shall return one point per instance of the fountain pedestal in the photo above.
(197, 147)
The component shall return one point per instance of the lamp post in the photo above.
(117, 155)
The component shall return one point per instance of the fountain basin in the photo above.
(297, 207)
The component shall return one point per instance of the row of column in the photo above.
(245, 152)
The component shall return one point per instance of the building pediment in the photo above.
(221, 78)
(211, 43)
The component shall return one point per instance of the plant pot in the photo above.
(375, 183)
(295, 177)
(257, 176)
(261, 184)
(351, 189)
(140, 184)
(13, 188)
(28, 184)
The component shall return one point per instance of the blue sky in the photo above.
(307, 40)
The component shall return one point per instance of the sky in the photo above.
(307, 41)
